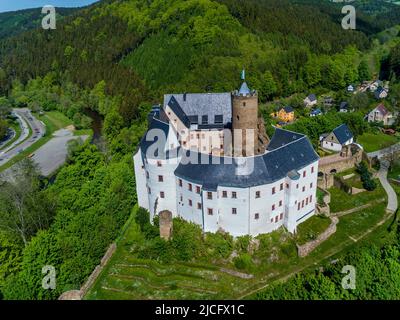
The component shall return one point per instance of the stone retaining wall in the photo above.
(305, 249)
(79, 294)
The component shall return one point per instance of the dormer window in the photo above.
(204, 119)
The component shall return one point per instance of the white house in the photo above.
(337, 139)
(242, 195)
(311, 100)
(381, 114)
(381, 93)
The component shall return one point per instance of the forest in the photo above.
(120, 57)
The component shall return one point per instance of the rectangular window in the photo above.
(197, 189)
(302, 204)
(273, 190)
(149, 190)
(199, 205)
(160, 178)
(190, 188)
(234, 211)
(162, 194)
(190, 203)
(287, 185)
(280, 203)
(306, 201)
(234, 195)
(159, 164)
(281, 187)
(311, 185)
(257, 216)
(310, 198)
(209, 195)
(273, 207)
(298, 206)
(304, 189)
(181, 198)
(297, 186)
(258, 194)
(304, 174)
(180, 182)
(276, 219)
(312, 169)
(147, 175)
(281, 216)
(272, 220)
(210, 211)
(224, 194)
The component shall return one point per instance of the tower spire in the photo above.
(243, 75)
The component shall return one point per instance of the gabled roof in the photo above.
(251, 171)
(193, 105)
(316, 112)
(288, 109)
(312, 97)
(343, 133)
(344, 105)
(381, 109)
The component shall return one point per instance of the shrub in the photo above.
(243, 262)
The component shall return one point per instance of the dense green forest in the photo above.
(119, 57)
(16, 22)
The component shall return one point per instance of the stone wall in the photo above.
(79, 294)
(166, 224)
(305, 249)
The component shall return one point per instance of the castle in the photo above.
(206, 158)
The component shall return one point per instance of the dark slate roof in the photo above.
(288, 109)
(316, 112)
(343, 133)
(344, 105)
(159, 153)
(199, 104)
(312, 97)
(176, 108)
(282, 137)
(250, 171)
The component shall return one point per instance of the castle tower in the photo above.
(245, 121)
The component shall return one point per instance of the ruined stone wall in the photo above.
(305, 249)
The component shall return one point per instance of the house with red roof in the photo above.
(381, 114)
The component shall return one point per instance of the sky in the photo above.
(12, 5)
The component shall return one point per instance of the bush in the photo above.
(243, 262)
(219, 245)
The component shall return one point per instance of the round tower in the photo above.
(245, 121)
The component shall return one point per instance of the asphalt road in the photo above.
(38, 131)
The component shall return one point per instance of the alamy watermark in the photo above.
(49, 280)
(349, 280)
(49, 21)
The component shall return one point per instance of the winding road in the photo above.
(27, 120)
(392, 196)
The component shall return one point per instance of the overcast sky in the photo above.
(12, 5)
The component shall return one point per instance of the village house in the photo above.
(381, 93)
(381, 114)
(311, 100)
(337, 139)
(344, 107)
(285, 114)
(315, 113)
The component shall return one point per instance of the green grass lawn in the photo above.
(341, 201)
(373, 142)
(394, 172)
(310, 229)
(58, 119)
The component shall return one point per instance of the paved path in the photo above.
(392, 196)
